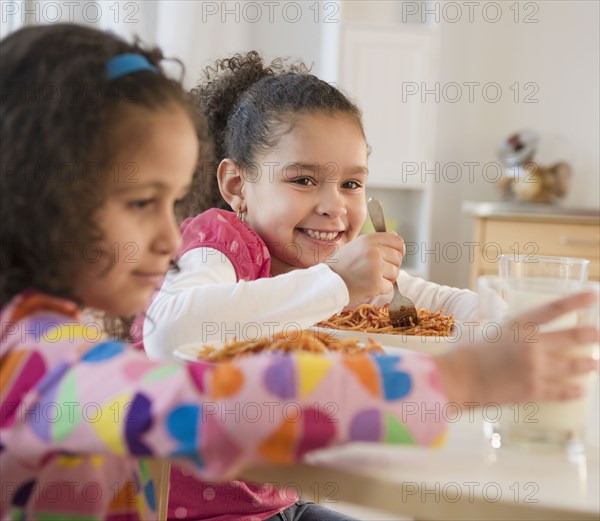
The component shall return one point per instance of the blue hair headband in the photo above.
(124, 64)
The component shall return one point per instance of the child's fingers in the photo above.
(557, 308)
(583, 365)
(391, 240)
(557, 390)
(559, 341)
(390, 271)
(564, 367)
(391, 257)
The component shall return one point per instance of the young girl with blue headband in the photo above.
(98, 148)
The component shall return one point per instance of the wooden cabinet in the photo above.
(532, 230)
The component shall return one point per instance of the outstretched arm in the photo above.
(114, 401)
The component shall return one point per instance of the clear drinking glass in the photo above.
(554, 425)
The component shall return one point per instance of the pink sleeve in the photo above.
(270, 408)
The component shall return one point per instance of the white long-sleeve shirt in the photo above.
(205, 303)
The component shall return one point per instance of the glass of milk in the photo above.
(553, 425)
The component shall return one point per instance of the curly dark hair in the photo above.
(58, 110)
(249, 106)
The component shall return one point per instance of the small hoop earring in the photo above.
(240, 213)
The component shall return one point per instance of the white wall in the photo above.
(201, 32)
(560, 55)
(196, 31)
(544, 56)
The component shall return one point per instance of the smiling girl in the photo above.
(293, 165)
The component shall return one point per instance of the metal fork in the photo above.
(402, 310)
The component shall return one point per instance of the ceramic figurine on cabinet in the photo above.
(526, 181)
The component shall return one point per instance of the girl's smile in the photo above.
(322, 236)
(153, 279)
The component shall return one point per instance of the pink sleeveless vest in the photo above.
(190, 498)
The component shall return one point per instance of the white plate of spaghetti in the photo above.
(306, 341)
(434, 333)
(391, 343)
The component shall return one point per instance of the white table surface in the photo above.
(465, 479)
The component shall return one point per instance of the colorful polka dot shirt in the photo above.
(80, 414)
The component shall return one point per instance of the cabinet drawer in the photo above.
(495, 235)
(533, 238)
